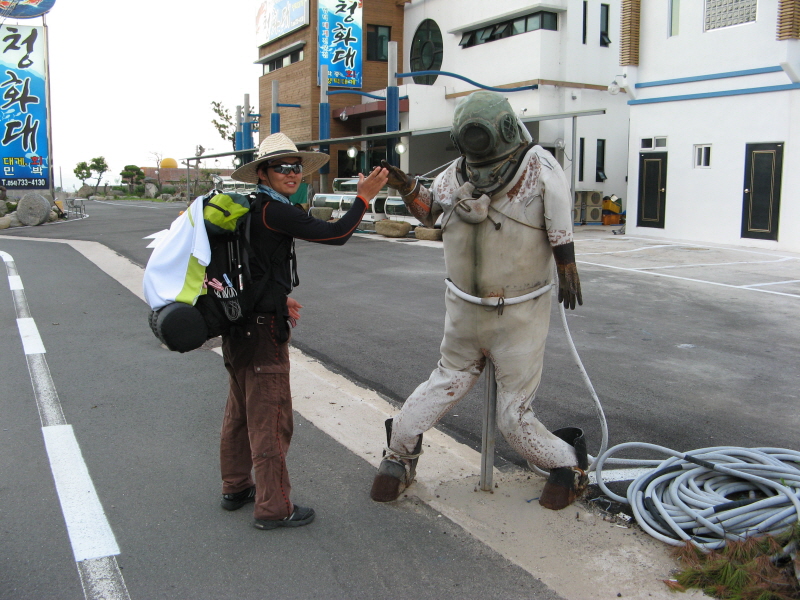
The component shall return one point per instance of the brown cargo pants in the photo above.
(258, 422)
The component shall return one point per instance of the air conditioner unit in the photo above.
(594, 214)
(594, 199)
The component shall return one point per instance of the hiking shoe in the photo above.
(239, 499)
(301, 516)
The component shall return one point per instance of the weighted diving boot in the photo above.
(396, 471)
(567, 484)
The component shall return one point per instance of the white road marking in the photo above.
(93, 543)
(752, 285)
(31, 340)
(161, 205)
(724, 264)
(89, 531)
(727, 285)
(610, 475)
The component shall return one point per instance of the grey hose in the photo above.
(688, 496)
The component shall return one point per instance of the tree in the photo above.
(99, 166)
(133, 174)
(158, 157)
(225, 125)
(82, 172)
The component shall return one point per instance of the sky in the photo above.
(131, 78)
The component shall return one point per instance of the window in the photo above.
(647, 144)
(724, 13)
(426, 51)
(585, 18)
(581, 148)
(533, 22)
(702, 156)
(674, 16)
(600, 175)
(661, 142)
(283, 61)
(604, 39)
(378, 37)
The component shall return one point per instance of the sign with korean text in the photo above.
(276, 18)
(340, 45)
(24, 151)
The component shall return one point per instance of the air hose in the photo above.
(687, 497)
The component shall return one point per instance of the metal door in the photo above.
(652, 189)
(762, 191)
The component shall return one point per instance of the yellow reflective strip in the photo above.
(193, 283)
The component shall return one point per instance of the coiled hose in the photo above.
(687, 497)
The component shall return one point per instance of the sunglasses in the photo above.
(286, 169)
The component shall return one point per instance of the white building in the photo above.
(568, 48)
(715, 122)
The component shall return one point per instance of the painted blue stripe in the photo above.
(744, 73)
(761, 90)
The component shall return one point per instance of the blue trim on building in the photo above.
(744, 73)
(761, 90)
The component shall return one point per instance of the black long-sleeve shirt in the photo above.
(278, 223)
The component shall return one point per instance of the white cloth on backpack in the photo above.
(176, 269)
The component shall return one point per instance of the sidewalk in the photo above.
(576, 552)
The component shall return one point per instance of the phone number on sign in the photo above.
(9, 183)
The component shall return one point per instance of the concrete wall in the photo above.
(706, 204)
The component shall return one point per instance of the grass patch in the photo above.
(758, 568)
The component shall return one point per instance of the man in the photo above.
(257, 427)
(506, 210)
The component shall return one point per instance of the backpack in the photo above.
(225, 295)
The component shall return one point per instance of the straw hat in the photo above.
(275, 146)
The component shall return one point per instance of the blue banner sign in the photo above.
(340, 42)
(24, 151)
(24, 9)
(276, 18)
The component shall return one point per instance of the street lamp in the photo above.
(352, 152)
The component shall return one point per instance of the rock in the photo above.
(85, 191)
(166, 197)
(5, 222)
(392, 229)
(426, 233)
(150, 190)
(322, 212)
(53, 216)
(33, 209)
(14, 219)
(3, 209)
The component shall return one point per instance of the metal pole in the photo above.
(324, 125)
(392, 105)
(275, 116)
(247, 135)
(574, 158)
(237, 135)
(489, 435)
(48, 108)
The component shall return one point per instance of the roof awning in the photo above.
(367, 109)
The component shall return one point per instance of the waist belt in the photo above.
(497, 301)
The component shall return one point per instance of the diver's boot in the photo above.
(567, 484)
(396, 471)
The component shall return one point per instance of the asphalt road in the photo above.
(147, 423)
(689, 360)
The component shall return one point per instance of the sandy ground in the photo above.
(578, 552)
